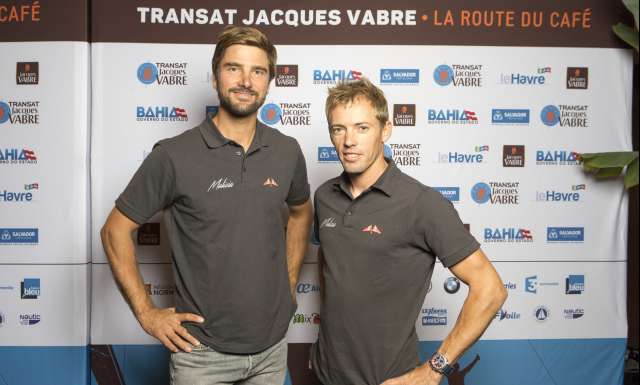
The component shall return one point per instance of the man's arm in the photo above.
(298, 227)
(486, 295)
(163, 324)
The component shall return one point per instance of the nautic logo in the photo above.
(399, 76)
(288, 114)
(335, 76)
(452, 194)
(161, 114)
(163, 73)
(541, 313)
(16, 156)
(574, 115)
(451, 116)
(573, 313)
(27, 319)
(458, 75)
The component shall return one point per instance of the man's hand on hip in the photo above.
(166, 326)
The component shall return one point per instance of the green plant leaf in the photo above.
(608, 172)
(628, 34)
(588, 168)
(631, 176)
(609, 159)
(632, 6)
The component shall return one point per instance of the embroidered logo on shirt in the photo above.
(270, 182)
(372, 229)
(219, 184)
(328, 222)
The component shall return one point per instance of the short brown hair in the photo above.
(347, 92)
(244, 36)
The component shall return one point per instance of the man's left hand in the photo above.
(422, 375)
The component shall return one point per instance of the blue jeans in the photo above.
(205, 366)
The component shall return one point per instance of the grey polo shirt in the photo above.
(223, 212)
(379, 252)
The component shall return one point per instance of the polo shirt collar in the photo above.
(384, 184)
(214, 139)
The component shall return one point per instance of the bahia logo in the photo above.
(574, 284)
(434, 317)
(458, 75)
(509, 116)
(573, 313)
(16, 156)
(18, 237)
(537, 78)
(399, 76)
(287, 114)
(574, 115)
(557, 158)
(455, 116)
(161, 114)
(29, 319)
(452, 194)
(328, 155)
(508, 235)
(163, 73)
(502, 315)
(30, 288)
(541, 313)
(561, 196)
(335, 76)
(459, 157)
(565, 234)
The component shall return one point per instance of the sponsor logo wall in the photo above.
(494, 129)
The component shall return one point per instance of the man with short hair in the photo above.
(380, 232)
(223, 186)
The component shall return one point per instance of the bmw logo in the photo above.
(452, 285)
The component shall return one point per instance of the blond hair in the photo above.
(347, 92)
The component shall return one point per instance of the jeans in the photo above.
(205, 366)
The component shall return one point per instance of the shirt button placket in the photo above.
(348, 217)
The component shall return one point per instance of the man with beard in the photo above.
(223, 186)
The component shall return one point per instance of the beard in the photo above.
(238, 110)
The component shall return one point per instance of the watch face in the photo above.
(439, 361)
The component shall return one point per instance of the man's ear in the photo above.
(386, 131)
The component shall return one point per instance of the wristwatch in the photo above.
(440, 364)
